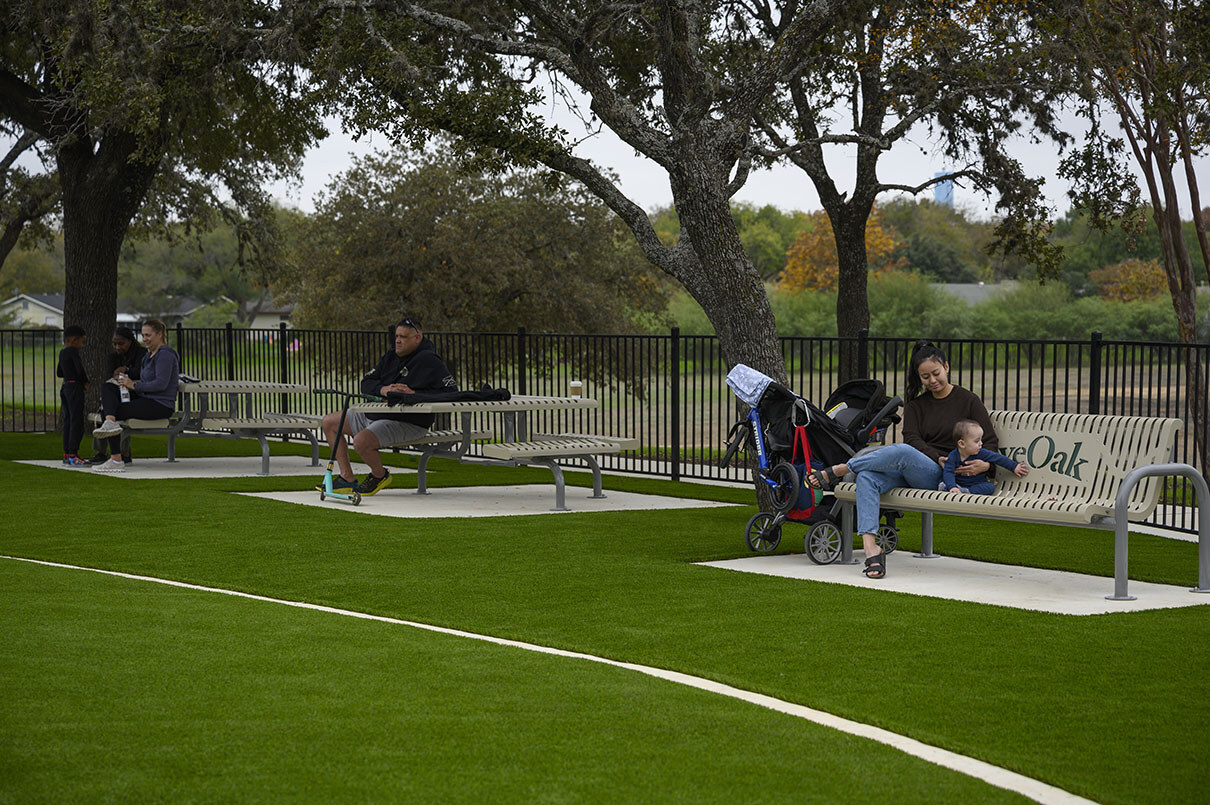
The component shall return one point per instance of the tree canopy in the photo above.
(149, 108)
(668, 78)
(467, 250)
(967, 71)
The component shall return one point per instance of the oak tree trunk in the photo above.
(722, 278)
(852, 300)
(102, 189)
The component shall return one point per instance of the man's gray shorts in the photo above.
(388, 431)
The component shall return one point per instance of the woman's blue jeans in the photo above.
(887, 468)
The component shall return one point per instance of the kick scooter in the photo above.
(353, 496)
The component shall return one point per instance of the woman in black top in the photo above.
(934, 406)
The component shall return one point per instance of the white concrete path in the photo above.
(978, 582)
(488, 501)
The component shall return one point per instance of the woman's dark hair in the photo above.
(923, 351)
(125, 332)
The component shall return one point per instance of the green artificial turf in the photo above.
(130, 691)
(1108, 707)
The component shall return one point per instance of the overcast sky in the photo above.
(911, 162)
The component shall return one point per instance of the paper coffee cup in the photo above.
(575, 388)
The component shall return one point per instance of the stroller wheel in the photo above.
(887, 538)
(823, 543)
(763, 533)
(784, 489)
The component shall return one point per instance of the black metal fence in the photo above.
(668, 391)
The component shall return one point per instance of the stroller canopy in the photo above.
(748, 384)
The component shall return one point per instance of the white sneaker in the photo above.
(111, 466)
(108, 428)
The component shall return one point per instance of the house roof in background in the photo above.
(50, 301)
(271, 307)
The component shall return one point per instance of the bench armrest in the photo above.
(1122, 527)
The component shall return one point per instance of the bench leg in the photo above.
(557, 471)
(1121, 538)
(172, 447)
(596, 477)
(421, 483)
(847, 512)
(314, 448)
(264, 453)
(926, 537)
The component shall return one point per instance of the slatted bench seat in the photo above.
(442, 437)
(260, 427)
(135, 424)
(227, 422)
(1087, 470)
(553, 446)
(545, 449)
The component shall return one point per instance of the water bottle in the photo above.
(123, 391)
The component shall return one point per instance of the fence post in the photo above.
(285, 372)
(1094, 369)
(180, 342)
(676, 403)
(863, 352)
(522, 367)
(230, 352)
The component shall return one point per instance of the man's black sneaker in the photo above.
(338, 485)
(99, 458)
(371, 485)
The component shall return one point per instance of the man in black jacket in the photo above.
(412, 366)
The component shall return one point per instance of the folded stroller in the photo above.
(791, 436)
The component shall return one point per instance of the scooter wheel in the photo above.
(322, 495)
(356, 497)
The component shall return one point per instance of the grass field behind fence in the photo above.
(120, 689)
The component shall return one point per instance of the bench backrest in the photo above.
(1083, 456)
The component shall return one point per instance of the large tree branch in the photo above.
(784, 56)
(575, 61)
(22, 103)
(668, 260)
(826, 139)
(23, 143)
(966, 173)
(40, 202)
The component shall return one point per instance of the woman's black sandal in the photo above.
(823, 480)
(875, 564)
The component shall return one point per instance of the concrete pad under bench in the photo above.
(947, 577)
(486, 501)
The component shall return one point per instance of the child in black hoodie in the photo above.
(75, 383)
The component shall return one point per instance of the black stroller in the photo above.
(789, 433)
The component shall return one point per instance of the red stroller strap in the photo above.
(800, 435)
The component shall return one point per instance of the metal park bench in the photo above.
(234, 424)
(171, 427)
(196, 418)
(518, 448)
(545, 449)
(1087, 470)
